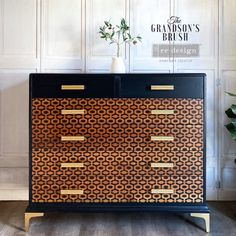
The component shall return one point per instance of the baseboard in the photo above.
(211, 194)
(227, 195)
(14, 194)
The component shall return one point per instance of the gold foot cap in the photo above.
(205, 217)
(28, 216)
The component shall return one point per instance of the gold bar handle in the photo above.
(162, 165)
(72, 112)
(162, 112)
(162, 87)
(77, 192)
(67, 165)
(162, 138)
(162, 191)
(72, 87)
(72, 138)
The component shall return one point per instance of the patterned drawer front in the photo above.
(98, 117)
(114, 162)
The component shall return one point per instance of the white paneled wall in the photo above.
(98, 55)
(227, 82)
(142, 15)
(62, 36)
(19, 56)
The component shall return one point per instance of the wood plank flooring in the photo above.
(223, 223)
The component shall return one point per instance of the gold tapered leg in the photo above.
(205, 217)
(28, 216)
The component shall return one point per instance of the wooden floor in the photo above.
(223, 222)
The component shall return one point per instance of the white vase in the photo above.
(117, 65)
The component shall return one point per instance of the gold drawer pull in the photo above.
(162, 191)
(162, 87)
(78, 192)
(162, 138)
(169, 165)
(72, 138)
(72, 87)
(72, 112)
(72, 164)
(162, 112)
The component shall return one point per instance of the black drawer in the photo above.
(162, 86)
(72, 85)
(117, 85)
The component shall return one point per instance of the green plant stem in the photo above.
(118, 45)
(118, 34)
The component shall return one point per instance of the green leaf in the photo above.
(233, 121)
(233, 108)
(123, 21)
(231, 94)
(106, 23)
(232, 129)
(231, 112)
(139, 38)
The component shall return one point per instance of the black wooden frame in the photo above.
(117, 207)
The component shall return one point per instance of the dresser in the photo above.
(117, 143)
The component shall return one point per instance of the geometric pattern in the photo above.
(117, 151)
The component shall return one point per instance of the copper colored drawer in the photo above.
(118, 150)
(120, 177)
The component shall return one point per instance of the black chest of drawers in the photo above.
(117, 142)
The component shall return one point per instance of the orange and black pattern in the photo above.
(117, 152)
